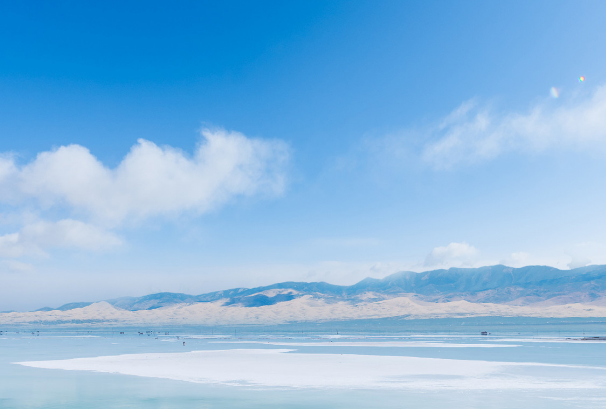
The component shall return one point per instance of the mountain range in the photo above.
(497, 284)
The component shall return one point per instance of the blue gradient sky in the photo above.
(415, 135)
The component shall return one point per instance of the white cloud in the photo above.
(452, 255)
(522, 259)
(35, 238)
(18, 266)
(518, 259)
(576, 262)
(7, 166)
(473, 133)
(151, 180)
(579, 255)
(586, 253)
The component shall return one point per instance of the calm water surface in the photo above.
(539, 341)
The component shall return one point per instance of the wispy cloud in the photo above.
(151, 180)
(34, 239)
(474, 132)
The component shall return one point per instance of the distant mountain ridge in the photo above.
(495, 284)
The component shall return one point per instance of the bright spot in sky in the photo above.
(554, 92)
(581, 78)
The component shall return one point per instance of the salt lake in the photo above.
(538, 363)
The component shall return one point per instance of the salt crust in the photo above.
(362, 344)
(283, 369)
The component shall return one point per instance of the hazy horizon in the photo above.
(194, 293)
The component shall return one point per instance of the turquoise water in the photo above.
(539, 341)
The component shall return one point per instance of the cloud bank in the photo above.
(151, 180)
(474, 133)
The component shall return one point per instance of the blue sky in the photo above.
(198, 146)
